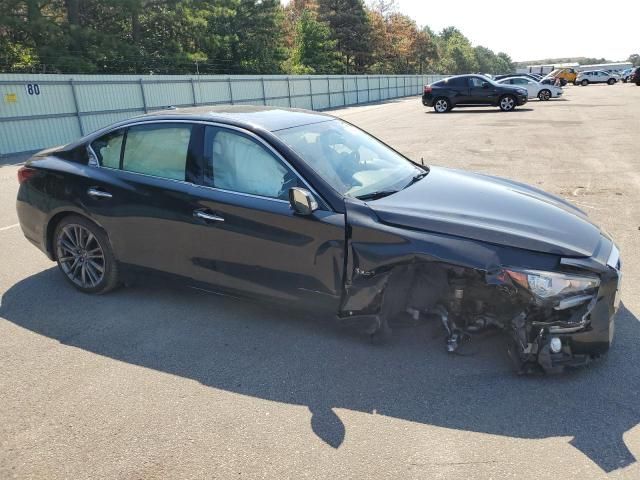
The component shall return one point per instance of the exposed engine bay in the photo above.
(555, 312)
(468, 303)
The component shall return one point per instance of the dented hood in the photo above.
(490, 209)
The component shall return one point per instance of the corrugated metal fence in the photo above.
(38, 111)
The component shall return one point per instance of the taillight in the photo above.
(25, 173)
(427, 89)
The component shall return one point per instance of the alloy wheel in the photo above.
(80, 256)
(442, 105)
(507, 103)
(545, 95)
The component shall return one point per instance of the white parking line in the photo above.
(9, 227)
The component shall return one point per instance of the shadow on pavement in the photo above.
(297, 358)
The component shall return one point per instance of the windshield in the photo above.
(351, 161)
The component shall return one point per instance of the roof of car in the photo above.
(268, 118)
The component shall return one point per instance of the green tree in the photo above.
(486, 59)
(315, 50)
(350, 28)
(504, 64)
(457, 55)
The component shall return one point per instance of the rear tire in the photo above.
(544, 95)
(442, 105)
(584, 83)
(507, 103)
(85, 256)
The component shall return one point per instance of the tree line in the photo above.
(633, 59)
(230, 37)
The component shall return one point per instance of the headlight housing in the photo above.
(549, 285)
(522, 92)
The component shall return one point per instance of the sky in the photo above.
(537, 29)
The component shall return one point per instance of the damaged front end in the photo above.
(555, 312)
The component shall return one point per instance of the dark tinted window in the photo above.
(160, 150)
(455, 82)
(238, 163)
(107, 148)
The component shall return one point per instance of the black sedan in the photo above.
(302, 207)
(472, 91)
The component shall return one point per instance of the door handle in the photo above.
(210, 217)
(94, 192)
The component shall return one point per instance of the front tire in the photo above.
(507, 103)
(611, 81)
(84, 255)
(584, 82)
(442, 105)
(544, 95)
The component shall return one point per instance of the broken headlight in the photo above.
(547, 285)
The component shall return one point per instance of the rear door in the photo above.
(142, 193)
(247, 236)
(457, 89)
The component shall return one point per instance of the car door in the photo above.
(142, 193)
(248, 238)
(533, 88)
(482, 92)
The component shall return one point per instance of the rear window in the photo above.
(159, 150)
(455, 82)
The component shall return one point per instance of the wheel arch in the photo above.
(55, 220)
(443, 97)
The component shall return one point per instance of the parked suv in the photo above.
(472, 91)
(596, 76)
(625, 74)
(635, 76)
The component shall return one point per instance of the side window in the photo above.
(475, 82)
(238, 163)
(157, 149)
(108, 147)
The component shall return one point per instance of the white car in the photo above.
(534, 89)
(596, 76)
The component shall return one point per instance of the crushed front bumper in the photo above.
(593, 334)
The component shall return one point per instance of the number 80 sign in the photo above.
(32, 89)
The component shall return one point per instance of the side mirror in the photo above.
(302, 201)
(485, 85)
